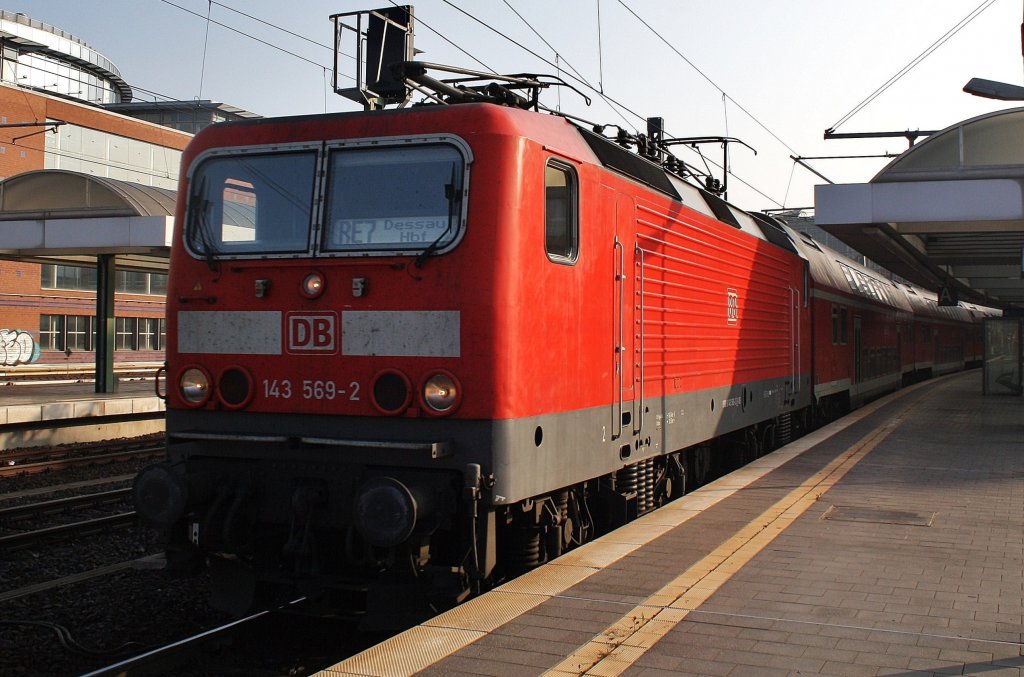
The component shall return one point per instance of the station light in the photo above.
(991, 89)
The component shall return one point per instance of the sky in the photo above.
(774, 74)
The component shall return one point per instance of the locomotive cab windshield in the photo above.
(377, 199)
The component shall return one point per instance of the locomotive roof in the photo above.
(605, 151)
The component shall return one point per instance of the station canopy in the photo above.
(946, 214)
(59, 216)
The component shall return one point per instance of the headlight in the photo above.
(194, 386)
(313, 285)
(441, 393)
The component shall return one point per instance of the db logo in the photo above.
(732, 306)
(312, 333)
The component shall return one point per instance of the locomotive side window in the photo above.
(392, 199)
(251, 204)
(561, 226)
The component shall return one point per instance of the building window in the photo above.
(72, 278)
(561, 226)
(147, 334)
(80, 278)
(158, 284)
(79, 332)
(132, 282)
(51, 332)
(125, 333)
(151, 333)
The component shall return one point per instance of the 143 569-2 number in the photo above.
(308, 389)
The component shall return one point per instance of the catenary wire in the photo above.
(276, 27)
(971, 16)
(615, 105)
(612, 101)
(583, 81)
(243, 33)
(705, 76)
(598, 90)
(575, 75)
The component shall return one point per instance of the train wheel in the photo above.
(676, 479)
(698, 466)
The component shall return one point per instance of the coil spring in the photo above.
(561, 502)
(628, 479)
(649, 480)
(524, 551)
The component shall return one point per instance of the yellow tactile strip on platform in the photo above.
(623, 642)
(414, 650)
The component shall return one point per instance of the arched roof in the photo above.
(986, 147)
(57, 193)
(946, 214)
(54, 215)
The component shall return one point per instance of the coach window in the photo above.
(835, 325)
(561, 221)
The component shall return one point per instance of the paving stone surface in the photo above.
(912, 564)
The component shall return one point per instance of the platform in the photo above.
(48, 414)
(891, 542)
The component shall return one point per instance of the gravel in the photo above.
(88, 625)
(83, 626)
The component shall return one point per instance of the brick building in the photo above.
(66, 112)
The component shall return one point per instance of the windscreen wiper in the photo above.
(453, 196)
(199, 222)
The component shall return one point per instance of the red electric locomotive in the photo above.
(412, 351)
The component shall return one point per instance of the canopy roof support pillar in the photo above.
(106, 269)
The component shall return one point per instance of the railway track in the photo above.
(37, 521)
(30, 461)
(58, 505)
(26, 539)
(277, 641)
(172, 657)
(149, 562)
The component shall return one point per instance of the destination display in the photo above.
(397, 231)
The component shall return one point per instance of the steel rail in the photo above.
(60, 504)
(27, 538)
(169, 658)
(71, 461)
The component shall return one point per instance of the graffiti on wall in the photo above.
(17, 347)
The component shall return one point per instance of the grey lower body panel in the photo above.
(527, 457)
